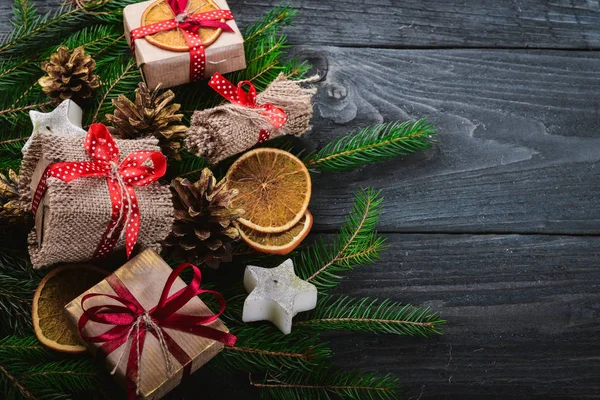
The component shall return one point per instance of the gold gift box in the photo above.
(145, 276)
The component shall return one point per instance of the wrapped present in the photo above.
(150, 326)
(283, 108)
(92, 195)
(181, 41)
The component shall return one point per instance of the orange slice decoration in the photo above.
(174, 40)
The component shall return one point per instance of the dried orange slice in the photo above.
(174, 40)
(54, 292)
(278, 243)
(274, 189)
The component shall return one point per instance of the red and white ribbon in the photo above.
(189, 25)
(121, 179)
(236, 94)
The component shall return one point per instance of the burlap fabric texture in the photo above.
(72, 217)
(229, 129)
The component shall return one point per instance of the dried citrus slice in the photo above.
(278, 243)
(56, 290)
(274, 189)
(174, 40)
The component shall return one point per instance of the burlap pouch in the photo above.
(72, 217)
(229, 129)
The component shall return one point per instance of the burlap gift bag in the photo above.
(232, 128)
(72, 217)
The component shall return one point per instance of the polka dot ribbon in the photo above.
(236, 94)
(189, 25)
(121, 178)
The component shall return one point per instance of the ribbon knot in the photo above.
(237, 95)
(121, 179)
(131, 322)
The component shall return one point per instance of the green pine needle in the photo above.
(370, 315)
(261, 347)
(373, 144)
(356, 244)
(18, 282)
(323, 382)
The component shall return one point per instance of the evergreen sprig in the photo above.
(260, 347)
(357, 243)
(323, 382)
(342, 313)
(30, 371)
(372, 144)
(18, 282)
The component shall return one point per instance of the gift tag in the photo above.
(174, 40)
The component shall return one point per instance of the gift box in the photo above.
(206, 41)
(283, 108)
(148, 338)
(76, 210)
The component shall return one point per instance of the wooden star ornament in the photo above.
(277, 295)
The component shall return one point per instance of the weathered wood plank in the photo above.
(518, 147)
(434, 23)
(523, 313)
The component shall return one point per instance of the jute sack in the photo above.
(72, 217)
(229, 129)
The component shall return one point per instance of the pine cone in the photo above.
(203, 230)
(151, 114)
(70, 75)
(11, 211)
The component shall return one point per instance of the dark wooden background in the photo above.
(498, 226)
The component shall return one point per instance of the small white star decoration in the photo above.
(277, 295)
(64, 120)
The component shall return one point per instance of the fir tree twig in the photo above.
(370, 315)
(373, 144)
(357, 243)
(322, 382)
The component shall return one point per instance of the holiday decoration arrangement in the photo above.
(155, 210)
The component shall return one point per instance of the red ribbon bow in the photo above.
(131, 320)
(276, 115)
(121, 179)
(189, 23)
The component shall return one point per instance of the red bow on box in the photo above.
(189, 23)
(131, 320)
(121, 179)
(236, 94)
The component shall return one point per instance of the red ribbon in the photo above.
(121, 179)
(236, 94)
(163, 315)
(189, 25)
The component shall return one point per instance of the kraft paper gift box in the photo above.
(145, 276)
(172, 68)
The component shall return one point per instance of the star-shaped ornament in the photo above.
(277, 295)
(64, 120)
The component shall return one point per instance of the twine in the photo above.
(147, 320)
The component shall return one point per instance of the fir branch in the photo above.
(260, 347)
(29, 370)
(24, 14)
(323, 382)
(357, 243)
(126, 81)
(370, 315)
(18, 282)
(373, 144)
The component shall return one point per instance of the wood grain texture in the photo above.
(523, 314)
(518, 144)
(568, 24)
(497, 226)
